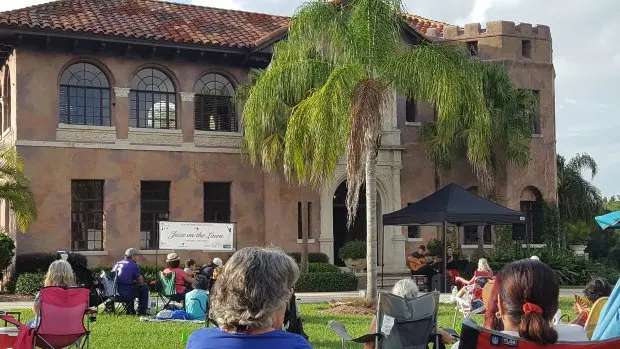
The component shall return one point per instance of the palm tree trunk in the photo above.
(371, 225)
(304, 238)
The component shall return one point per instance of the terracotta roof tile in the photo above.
(422, 24)
(155, 20)
(148, 20)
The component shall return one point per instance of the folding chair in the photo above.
(464, 304)
(401, 323)
(115, 303)
(61, 319)
(594, 314)
(168, 290)
(478, 337)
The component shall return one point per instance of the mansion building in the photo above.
(123, 114)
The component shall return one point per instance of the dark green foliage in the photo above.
(550, 224)
(323, 268)
(326, 282)
(435, 247)
(7, 247)
(614, 257)
(313, 257)
(353, 250)
(29, 283)
(600, 244)
(33, 262)
(571, 270)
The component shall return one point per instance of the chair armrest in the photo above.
(340, 330)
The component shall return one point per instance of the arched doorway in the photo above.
(531, 204)
(357, 231)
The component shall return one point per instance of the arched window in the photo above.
(214, 107)
(6, 100)
(531, 204)
(84, 96)
(152, 100)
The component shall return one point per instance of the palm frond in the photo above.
(15, 187)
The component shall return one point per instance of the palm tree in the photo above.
(15, 187)
(578, 198)
(330, 84)
(453, 140)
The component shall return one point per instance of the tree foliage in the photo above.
(578, 198)
(15, 187)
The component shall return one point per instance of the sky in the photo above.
(586, 56)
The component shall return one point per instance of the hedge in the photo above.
(29, 283)
(323, 268)
(313, 257)
(326, 282)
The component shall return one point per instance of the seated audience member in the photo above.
(181, 278)
(190, 267)
(452, 264)
(484, 272)
(197, 300)
(59, 274)
(249, 302)
(217, 270)
(595, 289)
(608, 325)
(130, 283)
(407, 289)
(528, 298)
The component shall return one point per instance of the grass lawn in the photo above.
(112, 332)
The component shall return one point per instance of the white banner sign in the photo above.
(196, 236)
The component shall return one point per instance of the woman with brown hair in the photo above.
(528, 299)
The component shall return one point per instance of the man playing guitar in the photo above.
(420, 265)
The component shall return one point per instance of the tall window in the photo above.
(300, 219)
(470, 235)
(217, 202)
(413, 231)
(472, 48)
(214, 107)
(526, 48)
(6, 100)
(87, 215)
(152, 100)
(410, 110)
(154, 207)
(84, 96)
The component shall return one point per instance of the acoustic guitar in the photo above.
(417, 263)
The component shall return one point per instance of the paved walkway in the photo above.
(310, 297)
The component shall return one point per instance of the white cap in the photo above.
(217, 261)
(535, 258)
(131, 252)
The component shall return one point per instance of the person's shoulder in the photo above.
(292, 340)
(201, 336)
(571, 333)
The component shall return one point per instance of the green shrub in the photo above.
(614, 257)
(33, 262)
(313, 257)
(355, 249)
(29, 283)
(326, 282)
(7, 251)
(323, 268)
(435, 247)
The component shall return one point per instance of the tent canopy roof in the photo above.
(456, 205)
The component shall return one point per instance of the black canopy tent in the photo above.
(453, 205)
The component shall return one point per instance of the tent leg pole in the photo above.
(445, 258)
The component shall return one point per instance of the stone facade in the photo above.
(263, 206)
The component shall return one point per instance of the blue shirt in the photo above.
(214, 338)
(127, 271)
(196, 304)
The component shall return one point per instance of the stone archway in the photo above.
(357, 231)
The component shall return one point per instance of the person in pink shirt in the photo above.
(173, 263)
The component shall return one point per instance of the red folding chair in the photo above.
(61, 319)
(477, 337)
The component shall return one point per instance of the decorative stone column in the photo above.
(121, 112)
